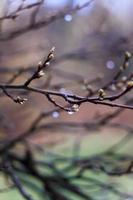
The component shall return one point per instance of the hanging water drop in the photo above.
(70, 112)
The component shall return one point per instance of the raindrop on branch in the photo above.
(70, 112)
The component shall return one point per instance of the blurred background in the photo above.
(89, 43)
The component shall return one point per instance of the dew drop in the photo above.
(70, 112)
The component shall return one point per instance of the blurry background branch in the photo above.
(66, 123)
(39, 24)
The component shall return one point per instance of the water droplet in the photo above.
(55, 114)
(70, 112)
(110, 64)
(68, 18)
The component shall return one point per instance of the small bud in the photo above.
(52, 50)
(39, 65)
(129, 84)
(40, 74)
(20, 100)
(128, 55)
(51, 53)
(75, 107)
(101, 94)
(47, 64)
(51, 56)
